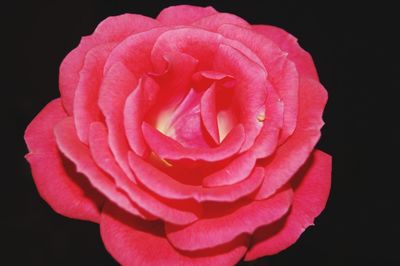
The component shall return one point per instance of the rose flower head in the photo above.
(190, 138)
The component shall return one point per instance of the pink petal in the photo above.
(136, 48)
(165, 186)
(265, 144)
(156, 208)
(209, 113)
(183, 14)
(176, 98)
(236, 171)
(169, 149)
(282, 72)
(211, 232)
(188, 130)
(310, 197)
(269, 136)
(295, 151)
(213, 22)
(112, 29)
(116, 86)
(136, 106)
(198, 43)
(132, 241)
(79, 154)
(288, 43)
(86, 109)
(249, 93)
(205, 78)
(67, 192)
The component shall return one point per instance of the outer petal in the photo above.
(309, 200)
(112, 29)
(213, 22)
(67, 192)
(184, 14)
(212, 232)
(77, 152)
(295, 151)
(288, 43)
(132, 241)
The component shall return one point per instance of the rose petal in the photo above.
(183, 14)
(295, 151)
(134, 49)
(165, 186)
(132, 241)
(136, 106)
(236, 171)
(112, 29)
(213, 22)
(85, 106)
(104, 159)
(272, 123)
(211, 232)
(282, 73)
(249, 93)
(115, 88)
(310, 197)
(198, 43)
(265, 144)
(79, 154)
(67, 192)
(187, 129)
(169, 149)
(209, 113)
(288, 43)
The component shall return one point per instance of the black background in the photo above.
(355, 50)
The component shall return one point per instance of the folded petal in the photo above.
(282, 73)
(209, 113)
(165, 186)
(213, 22)
(295, 151)
(136, 106)
(66, 191)
(206, 233)
(112, 29)
(169, 149)
(250, 91)
(155, 207)
(236, 171)
(85, 106)
(288, 43)
(132, 241)
(115, 88)
(79, 154)
(310, 197)
(183, 14)
(198, 43)
(135, 48)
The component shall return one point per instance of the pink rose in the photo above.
(189, 138)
